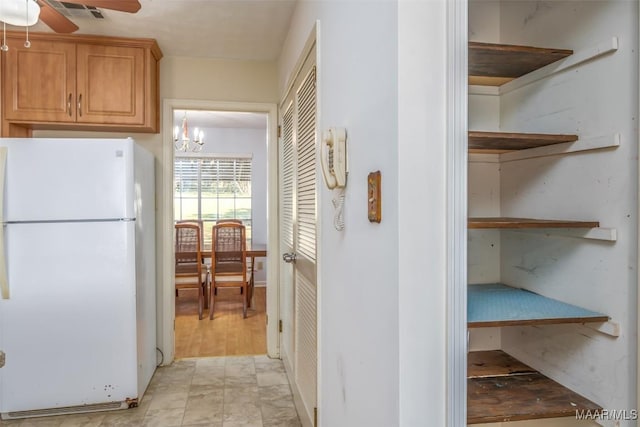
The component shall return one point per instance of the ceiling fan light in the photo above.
(23, 13)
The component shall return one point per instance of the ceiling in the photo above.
(224, 29)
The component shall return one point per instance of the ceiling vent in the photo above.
(73, 10)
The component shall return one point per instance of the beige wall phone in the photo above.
(333, 157)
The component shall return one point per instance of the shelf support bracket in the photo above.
(610, 328)
(598, 233)
(579, 57)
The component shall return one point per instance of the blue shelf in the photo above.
(495, 304)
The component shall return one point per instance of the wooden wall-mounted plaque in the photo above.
(374, 196)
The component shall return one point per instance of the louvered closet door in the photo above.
(298, 227)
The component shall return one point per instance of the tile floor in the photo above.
(243, 391)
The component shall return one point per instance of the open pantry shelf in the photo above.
(502, 142)
(501, 388)
(520, 223)
(493, 64)
(495, 304)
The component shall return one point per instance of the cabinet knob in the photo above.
(69, 105)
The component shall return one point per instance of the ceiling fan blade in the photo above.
(55, 20)
(131, 6)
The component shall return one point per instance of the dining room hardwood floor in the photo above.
(228, 334)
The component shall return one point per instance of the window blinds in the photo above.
(212, 188)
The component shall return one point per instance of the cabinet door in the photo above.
(110, 85)
(39, 82)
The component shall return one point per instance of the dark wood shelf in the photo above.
(502, 142)
(495, 305)
(500, 388)
(493, 64)
(523, 223)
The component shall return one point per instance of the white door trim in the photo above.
(457, 126)
(166, 292)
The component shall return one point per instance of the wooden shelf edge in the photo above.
(502, 142)
(526, 223)
(531, 322)
(516, 391)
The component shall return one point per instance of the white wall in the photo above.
(358, 267)
(382, 305)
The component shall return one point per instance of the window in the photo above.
(211, 188)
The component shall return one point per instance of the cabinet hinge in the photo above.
(315, 417)
(2, 358)
(280, 325)
(279, 131)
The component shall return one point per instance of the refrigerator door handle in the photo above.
(4, 283)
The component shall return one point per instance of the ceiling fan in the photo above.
(52, 17)
(61, 24)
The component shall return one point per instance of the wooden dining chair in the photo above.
(197, 222)
(228, 262)
(249, 261)
(190, 272)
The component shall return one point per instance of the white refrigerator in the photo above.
(77, 275)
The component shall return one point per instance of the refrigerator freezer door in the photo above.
(69, 329)
(68, 179)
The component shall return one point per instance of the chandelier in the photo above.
(181, 140)
(22, 13)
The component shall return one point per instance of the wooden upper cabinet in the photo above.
(109, 85)
(81, 82)
(39, 82)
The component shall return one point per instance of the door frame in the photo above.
(166, 292)
(457, 166)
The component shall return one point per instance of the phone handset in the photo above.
(333, 157)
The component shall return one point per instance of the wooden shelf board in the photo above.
(495, 305)
(494, 363)
(506, 222)
(505, 141)
(495, 64)
(523, 395)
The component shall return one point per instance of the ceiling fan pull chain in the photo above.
(27, 43)
(4, 46)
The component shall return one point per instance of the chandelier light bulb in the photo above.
(181, 139)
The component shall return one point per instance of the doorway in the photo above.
(218, 119)
(220, 168)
